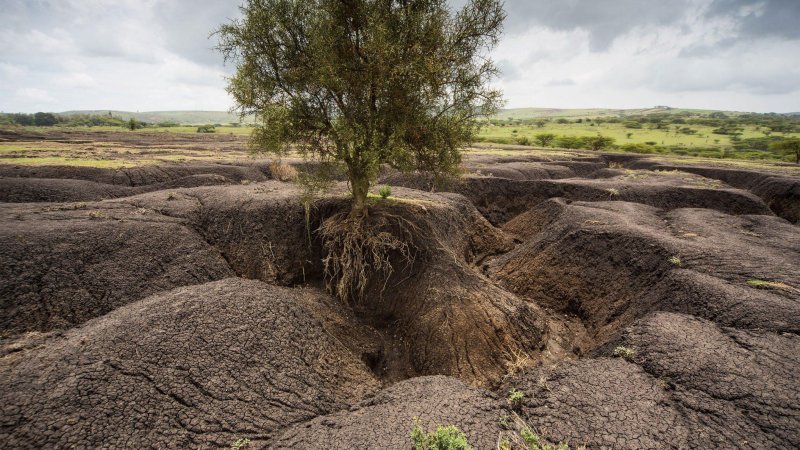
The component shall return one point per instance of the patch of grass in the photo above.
(444, 438)
(764, 284)
(240, 444)
(282, 172)
(385, 192)
(63, 161)
(96, 215)
(613, 192)
(675, 261)
(624, 352)
(515, 397)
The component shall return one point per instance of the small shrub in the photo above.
(515, 397)
(624, 352)
(524, 140)
(444, 438)
(96, 215)
(385, 192)
(613, 192)
(282, 172)
(170, 196)
(206, 129)
(675, 261)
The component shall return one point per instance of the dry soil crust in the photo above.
(117, 332)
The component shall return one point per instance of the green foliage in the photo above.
(788, 146)
(675, 261)
(134, 124)
(42, 119)
(515, 397)
(624, 352)
(632, 124)
(240, 444)
(569, 142)
(444, 438)
(598, 142)
(206, 129)
(364, 82)
(385, 192)
(545, 139)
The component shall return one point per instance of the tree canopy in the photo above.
(365, 82)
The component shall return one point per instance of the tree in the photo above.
(365, 82)
(43, 119)
(598, 142)
(545, 139)
(789, 147)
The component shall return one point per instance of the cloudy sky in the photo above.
(146, 55)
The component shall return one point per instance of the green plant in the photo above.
(764, 284)
(515, 397)
(385, 192)
(624, 352)
(675, 261)
(206, 129)
(240, 444)
(444, 438)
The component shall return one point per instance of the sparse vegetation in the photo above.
(675, 261)
(444, 438)
(764, 284)
(385, 192)
(240, 444)
(206, 129)
(624, 352)
(281, 171)
(515, 397)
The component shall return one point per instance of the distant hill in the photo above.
(182, 117)
(223, 117)
(545, 113)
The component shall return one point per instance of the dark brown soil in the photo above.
(182, 306)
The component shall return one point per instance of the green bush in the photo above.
(206, 129)
(385, 192)
(444, 438)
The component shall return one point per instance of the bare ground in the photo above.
(181, 305)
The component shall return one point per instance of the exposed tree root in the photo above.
(360, 251)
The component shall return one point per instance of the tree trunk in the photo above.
(360, 186)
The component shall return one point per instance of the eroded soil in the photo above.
(182, 305)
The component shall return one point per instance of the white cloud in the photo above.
(34, 95)
(155, 54)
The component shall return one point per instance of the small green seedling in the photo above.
(675, 261)
(515, 397)
(385, 192)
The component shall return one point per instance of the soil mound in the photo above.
(500, 199)
(195, 367)
(23, 190)
(62, 265)
(386, 420)
(443, 316)
(687, 383)
(781, 192)
(611, 262)
(135, 176)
